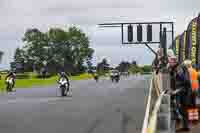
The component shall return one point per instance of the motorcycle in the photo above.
(9, 83)
(115, 78)
(64, 87)
(96, 78)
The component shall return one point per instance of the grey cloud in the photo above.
(2, 3)
(46, 7)
(64, 9)
(18, 15)
(183, 6)
(9, 34)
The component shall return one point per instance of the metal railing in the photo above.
(157, 116)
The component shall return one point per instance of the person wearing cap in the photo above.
(172, 67)
(194, 81)
(156, 65)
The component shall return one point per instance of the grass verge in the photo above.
(33, 81)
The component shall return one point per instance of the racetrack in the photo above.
(102, 107)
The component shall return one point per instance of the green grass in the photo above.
(33, 81)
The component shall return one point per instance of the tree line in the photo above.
(54, 50)
(124, 66)
(1, 55)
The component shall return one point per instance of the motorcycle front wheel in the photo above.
(63, 91)
(9, 88)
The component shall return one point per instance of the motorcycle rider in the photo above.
(11, 74)
(96, 76)
(64, 75)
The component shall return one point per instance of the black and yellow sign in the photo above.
(177, 47)
(194, 43)
(184, 45)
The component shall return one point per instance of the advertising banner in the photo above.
(184, 45)
(194, 43)
(188, 44)
(198, 41)
(181, 48)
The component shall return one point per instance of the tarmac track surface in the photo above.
(102, 107)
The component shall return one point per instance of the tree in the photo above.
(103, 67)
(134, 63)
(35, 42)
(19, 60)
(19, 55)
(1, 55)
(67, 49)
(146, 68)
(80, 46)
(124, 66)
(72, 46)
(134, 68)
(89, 64)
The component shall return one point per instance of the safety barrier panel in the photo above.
(158, 114)
(146, 118)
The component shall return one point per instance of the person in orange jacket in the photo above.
(194, 81)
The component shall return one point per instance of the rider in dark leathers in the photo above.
(11, 75)
(96, 77)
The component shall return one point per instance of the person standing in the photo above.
(199, 82)
(194, 81)
(172, 67)
(184, 97)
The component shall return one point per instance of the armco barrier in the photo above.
(152, 126)
(146, 118)
(157, 116)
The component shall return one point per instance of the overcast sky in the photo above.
(18, 15)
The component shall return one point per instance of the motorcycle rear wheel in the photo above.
(63, 91)
(9, 88)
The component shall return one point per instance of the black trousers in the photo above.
(193, 99)
(184, 114)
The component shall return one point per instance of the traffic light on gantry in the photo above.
(139, 33)
(130, 33)
(149, 33)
